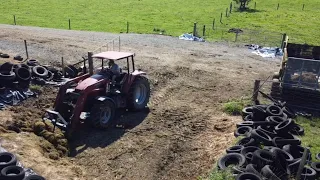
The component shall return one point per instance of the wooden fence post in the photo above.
(256, 90)
(26, 47)
(127, 27)
(255, 5)
(278, 6)
(214, 21)
(221, 18)
(62, 65)
(204, 30)
(236, 36)
(283, 40)
(230, 7)
(302, 7)
(194, 29)
(90, 61)
(227, 12)
(69, 24)
(14, 20)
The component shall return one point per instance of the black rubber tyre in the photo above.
(234, 149)
(284, 127)
(258, 114)
(248, 149)
(280, 142)
(7, 76)
(248, 157)
(267, 172)
(102, 114)
(32, 62)
(308, 173)
(261, 137)
(247, 111)
(253, 169)
(18, 58)
(263, 157)
(49, 76)
(7, 159)
(318, 156)
(289, 112)
(248, 176)
(248, 118)
(316, 167)
(22, 74)
(69, 73)
(297, 130)
(272, 134)
(275, 119)
(6, 67)
(243, 131)
(273, 110)
(293, 166)
(139, 94)
(238, 170)
(236, 159)
(39, 81)
(4, 56)
(40, 71)
(247, 141)
(26, 66)
(296, 151)
(286, 155)
(34, 177)
(245, 123)
(74, 69)
(12, 173)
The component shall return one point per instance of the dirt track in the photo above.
(184, 132)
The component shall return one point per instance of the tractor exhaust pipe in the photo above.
(90, 61)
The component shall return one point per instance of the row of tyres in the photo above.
(269, 147)
(9, 169)
(13, 75)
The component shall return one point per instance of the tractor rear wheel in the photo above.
(102, 114)
(139, 93)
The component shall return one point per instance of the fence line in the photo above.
(208, 33)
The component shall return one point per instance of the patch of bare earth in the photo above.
(184, 131)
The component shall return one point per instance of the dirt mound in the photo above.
(27, 117)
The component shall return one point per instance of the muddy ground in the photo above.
(182, 134)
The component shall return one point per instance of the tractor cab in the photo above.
(104, 72)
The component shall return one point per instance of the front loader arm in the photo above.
(63, 89)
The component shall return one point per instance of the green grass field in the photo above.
(175, 17)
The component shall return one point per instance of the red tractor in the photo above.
(91, 99)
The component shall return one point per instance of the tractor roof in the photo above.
(113, 55)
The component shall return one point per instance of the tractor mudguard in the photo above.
(104, 98)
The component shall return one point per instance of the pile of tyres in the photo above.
(270, 147)
(21, 75)
(11, 170)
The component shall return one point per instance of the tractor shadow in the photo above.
(88, 137)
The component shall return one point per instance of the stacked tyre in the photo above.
(270, 147)
(10, 171)
(13, 75)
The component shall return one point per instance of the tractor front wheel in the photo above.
(102, 114)
(139, 93)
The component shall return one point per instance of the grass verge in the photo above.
(312, 132)
(234, 107)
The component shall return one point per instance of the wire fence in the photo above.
(240, 36)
